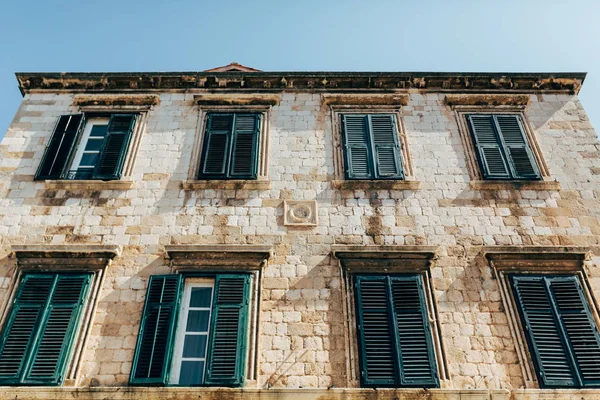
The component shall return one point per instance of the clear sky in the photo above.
(301, 35)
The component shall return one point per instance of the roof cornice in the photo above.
(517, 82)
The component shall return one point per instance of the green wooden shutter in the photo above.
(114, 148)
(519, 153)
(217, 143)
(244, 156)
(489, 150)
(152, 360)
(386, 146)
(549, 350)
(226, 359)
(579, 327)
(377, 342)
(36, 343)
(60, 147)
(417, 354)
(357, 149)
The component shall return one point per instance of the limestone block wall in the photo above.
(303, 336)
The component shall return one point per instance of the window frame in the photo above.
(471, 154)
(339, 157)
(199, 145)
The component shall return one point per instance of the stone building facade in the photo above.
(312, 227)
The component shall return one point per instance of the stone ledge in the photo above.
(226, 184)
(384, 258)
(85, 100)
(515, 185)
(234, 257)
(228, 99)
(487, 99)
(536, 258)
(51, 257)
(365, 99)
(365, 184)
(88, 185)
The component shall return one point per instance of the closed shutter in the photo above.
(245, 146)
(549, 349)
(37, 340)
(490, 154)
(519, 152)
(152, 360)
(114, 148)
(579, 327)
(216, 145)
(395, 341)
(357, 148)
(386, 146)
(226, 359)
(60, 148)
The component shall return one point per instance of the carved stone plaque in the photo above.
(300, 213)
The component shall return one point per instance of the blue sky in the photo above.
(342, 35)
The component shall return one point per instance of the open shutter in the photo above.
(579, 326)
(357, 148)
(414, 332)
(219, 128)
(152, 360)
(60, 147)
(226, 359)
(114, 148)
(22, 325)
(517, 147)
(489, 151)
(548, 348)
(378, 349)
(244, 157)
(386, 146)
(54, 343)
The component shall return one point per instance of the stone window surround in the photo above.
(64, 258)
(190, 259)
(112, 104)
(535, 260)
(463, 105)
(368, 104)
(388, 260)
(228, 102)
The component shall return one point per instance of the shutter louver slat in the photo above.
(489, 152)
(226, 356)
(357, 148)
(59, 149)
(245, 146)
(387, 149)
(114, 148)
(518, 148)
(18, 337)
(155, 340)
(218, 132)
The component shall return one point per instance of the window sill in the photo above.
(515, 185)
(234, 184)
(364, 184)
(88, 185)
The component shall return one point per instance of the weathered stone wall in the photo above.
(303, 339)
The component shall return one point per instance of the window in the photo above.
(87, 147)
(394, 334)
(231, 146)
(561, 332)
(208, 344)
(502, 147)
(371, 147)
(36, 341)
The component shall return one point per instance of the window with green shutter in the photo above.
(371, 146)
(193, 331)
(502, 147)
(395, 342)
(561, 332)
(88, 147)
(36, 341)
(231, 146)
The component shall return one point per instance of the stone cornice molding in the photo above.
(112, 100)
(236, 99)
(486, 99)
(568, 82)
(234, 257)
(72, 257)
(536, 258)
(384, 258)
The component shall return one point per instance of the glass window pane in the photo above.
(98, 130)
(197, 321)
(89, 159)
(200, 297)
(191, 373)
(93, 145)
(194, 346)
